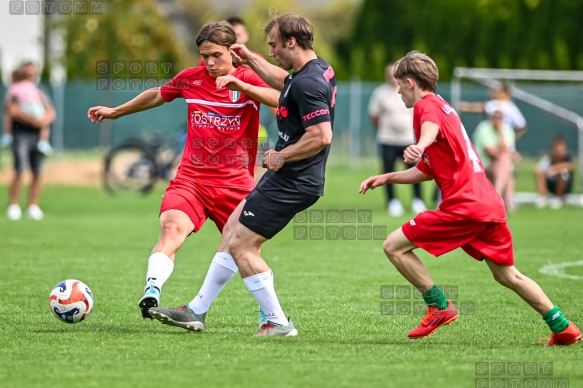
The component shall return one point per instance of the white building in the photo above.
(20, 39)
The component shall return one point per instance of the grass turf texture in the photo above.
(330, 288)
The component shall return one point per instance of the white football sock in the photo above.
(261, 286)
(160, 268)
(221, 270)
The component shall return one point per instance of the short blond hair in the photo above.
(420, 67)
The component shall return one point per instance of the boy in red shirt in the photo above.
(471, 215)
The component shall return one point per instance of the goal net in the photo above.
(551, 102)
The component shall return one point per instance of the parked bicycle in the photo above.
(138, 163)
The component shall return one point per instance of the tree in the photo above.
(127, 30)
(535, 34)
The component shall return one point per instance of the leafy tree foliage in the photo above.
(127, 30)
(534, 34)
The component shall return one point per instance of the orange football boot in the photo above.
(434, 319)
(569, 336)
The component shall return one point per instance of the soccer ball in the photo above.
(71, 301)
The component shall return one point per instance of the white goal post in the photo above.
(492, 77)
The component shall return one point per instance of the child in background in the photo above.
(30, 100)
(554, 174)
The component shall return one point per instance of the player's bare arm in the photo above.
(429, 133)
(409, 176)
(316, 138)
(271, 74)
(148, 99)
(266, 96)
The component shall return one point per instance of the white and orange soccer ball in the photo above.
(71, 301)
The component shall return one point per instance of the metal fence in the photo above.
(354, 137)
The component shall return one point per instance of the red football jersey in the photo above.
(223, 125)
(454, 164)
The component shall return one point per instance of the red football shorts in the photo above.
(438, 232)
(200, 202)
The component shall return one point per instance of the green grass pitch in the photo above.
(330, 288)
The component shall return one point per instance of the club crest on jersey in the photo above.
(234, 95)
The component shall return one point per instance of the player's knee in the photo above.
(236, 245)
(390, 247)
(171, 230)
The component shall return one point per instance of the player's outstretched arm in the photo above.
(148, 99)
(271, 74)
(266, 96)
(409, 176)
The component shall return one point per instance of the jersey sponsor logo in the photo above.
(216, 120)
(234, 95)
(197, 82)
(329, 73)
(316, 113)
(246, 213)
(282, 111)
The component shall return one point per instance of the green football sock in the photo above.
(434, 297)
(555, 319)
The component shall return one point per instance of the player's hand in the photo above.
(240, 52)
(412, 154)
(273, 160)
(97, 113)
(230, 82)
(372, 182)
